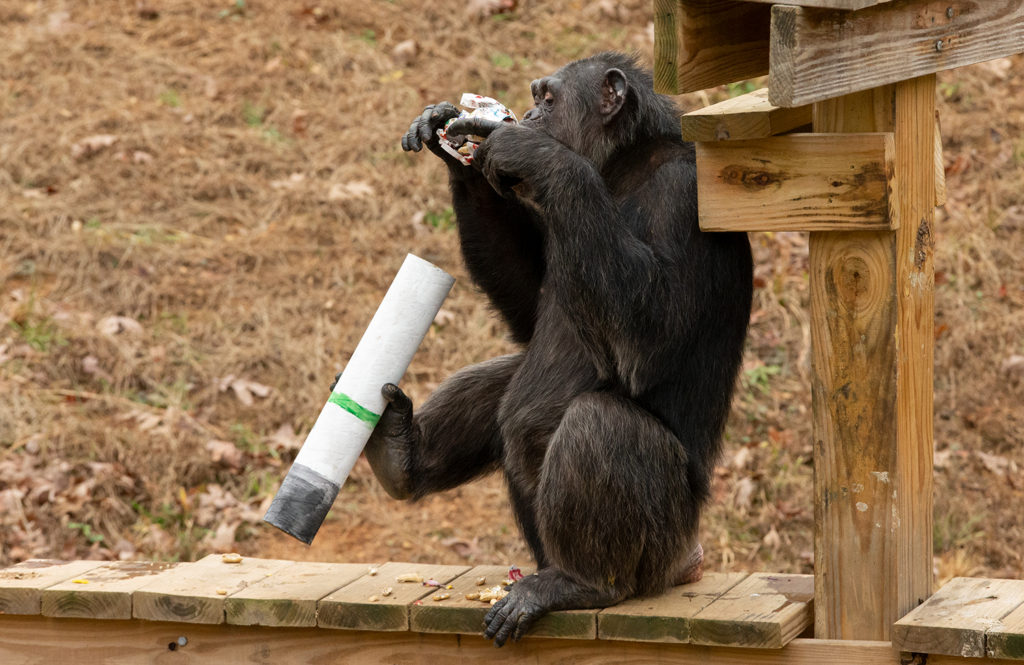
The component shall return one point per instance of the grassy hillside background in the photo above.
(202, 203)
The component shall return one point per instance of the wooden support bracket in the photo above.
(749, 116)
(703, 43)
(798, 182)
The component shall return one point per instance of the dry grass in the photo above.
(249, 206)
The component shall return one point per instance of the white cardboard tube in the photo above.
(346, 421)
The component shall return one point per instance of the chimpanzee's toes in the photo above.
(512, 616)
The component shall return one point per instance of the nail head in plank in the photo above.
(350, 607)
(798, 182)
(459, 615)
(955, 619)
(289, 596)
(666, 617)
(818, 54)
(763, 611)
(21, 586)
(749, 116)
(190, 593)
(104, 592)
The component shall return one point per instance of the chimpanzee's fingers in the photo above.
(335, 382)
(495, 610)
(411, 141)
(396, 397)
(523, 625)
(473, 126)
(423, 128)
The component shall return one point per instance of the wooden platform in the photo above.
(969, 617)
(756, 611)
(759, 611)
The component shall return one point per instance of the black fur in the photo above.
(580, 225)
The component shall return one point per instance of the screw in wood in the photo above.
(949, 12)
(938, 45)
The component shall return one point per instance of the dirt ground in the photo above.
(202, 203)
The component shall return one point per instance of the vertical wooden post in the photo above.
(872, 338)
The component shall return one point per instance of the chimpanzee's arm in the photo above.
(452, 439)
(502, 246)
(597, 241)
(501, 243)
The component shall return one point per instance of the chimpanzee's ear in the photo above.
(613, 93)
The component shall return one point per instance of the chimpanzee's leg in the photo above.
(615, 514)
(453, 438)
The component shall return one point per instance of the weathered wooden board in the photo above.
(41, 641)
(1005, 639)
(872, 340)
(196, 592)
(289, 596)
(103, 592)
(940, 166)
(21, 586)
(954, 620)
(818, 54)
(797, 182)
(664, 618)
(845, 5)
(764, 610)
(703, 43)
(351, 606)
(459, 615)
(749, 116)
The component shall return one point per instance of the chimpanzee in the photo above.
(580, 226)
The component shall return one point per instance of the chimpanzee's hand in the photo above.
(517, 160)
(424, 130)
(393, 442)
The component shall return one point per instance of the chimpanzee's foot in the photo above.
(692, 570)
(516, 613)
(534, 596)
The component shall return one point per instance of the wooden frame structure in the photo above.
(856, 80)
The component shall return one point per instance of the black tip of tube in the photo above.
(302, 503)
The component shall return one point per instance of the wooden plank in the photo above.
(845, 5)
(954, 620)
(195, 592)
(872, 336)
(664, 618)
(351, 606)
(711, 42)
(666, 46)
(104, 592)
(21, 586)
(459, 615)
(818, 54)
(289, 596)
(797, 182)
(940, 166)
(43, 640)
(749, 116)
(1005, 639)
(764, 610)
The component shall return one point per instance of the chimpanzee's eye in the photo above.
(549, 99)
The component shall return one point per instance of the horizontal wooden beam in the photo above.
(25, 639)
(749, 116)
(845, 5)
(817, 54)
(798, 182)
(704, 43)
